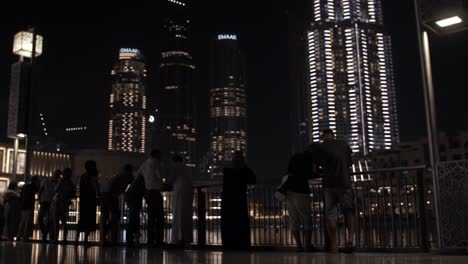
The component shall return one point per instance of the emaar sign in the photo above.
(127, 50)
(227, 36)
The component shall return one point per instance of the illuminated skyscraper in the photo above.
(127, 124)
(351, 79)
(228, 102)
(176, 132)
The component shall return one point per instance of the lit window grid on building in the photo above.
(42, 163)
(127, 126)
(368, 119)
(228, 115)
(182, 140)
(223, 148)
(367, 11)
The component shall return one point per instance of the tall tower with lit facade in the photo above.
(228, 102)
(351, 83)
(176, 132)
(127, 124)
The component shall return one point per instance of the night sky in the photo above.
(82, 42)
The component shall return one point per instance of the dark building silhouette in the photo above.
(175, 133)
(228, 102)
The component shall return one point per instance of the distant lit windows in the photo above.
(168, 54)
(127, 125)
(177, 2)
(73, 129)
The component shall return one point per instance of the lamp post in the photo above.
(26, 44)
(15, 154)
(430, 110)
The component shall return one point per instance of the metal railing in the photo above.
(393, 211)
(453, 200)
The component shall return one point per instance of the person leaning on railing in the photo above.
(150, 170)
(335, 157)
(297, 198)
(117, 185)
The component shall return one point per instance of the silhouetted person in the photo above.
(300, 170)
(12, 211)
(134, 198)
(110, 201)
(151, 172)
(46, 197)
(89, 190)
(28, 201)
(65, 192)
(182, 198)
(105, 207)
(235, 230)
(335, 158)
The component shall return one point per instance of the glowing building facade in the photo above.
(228, 102)
(351, 81)
(175, 133)
(127, 124)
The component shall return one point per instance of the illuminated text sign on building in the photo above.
(227, 36)
(127, 50)
(127, 54)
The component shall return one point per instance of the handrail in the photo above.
(411, 168)
(394, 169)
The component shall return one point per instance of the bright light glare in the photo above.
(449, 21)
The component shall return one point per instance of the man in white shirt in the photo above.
(150, 170)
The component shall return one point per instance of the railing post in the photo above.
(425, 244)
(326, 237)
(201, 214)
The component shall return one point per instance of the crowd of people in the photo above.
(17, 206)
(56, 193)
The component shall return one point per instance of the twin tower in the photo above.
(171, 127)
(350, 87)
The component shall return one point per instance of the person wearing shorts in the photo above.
(335, 158)
(298, 202)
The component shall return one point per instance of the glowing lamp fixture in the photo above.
(21, 135)
(23, 44)
(449, 21)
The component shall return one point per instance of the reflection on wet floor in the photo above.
(47, 253)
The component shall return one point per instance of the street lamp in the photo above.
(448, 22)
(26, 44)
(23, 44)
